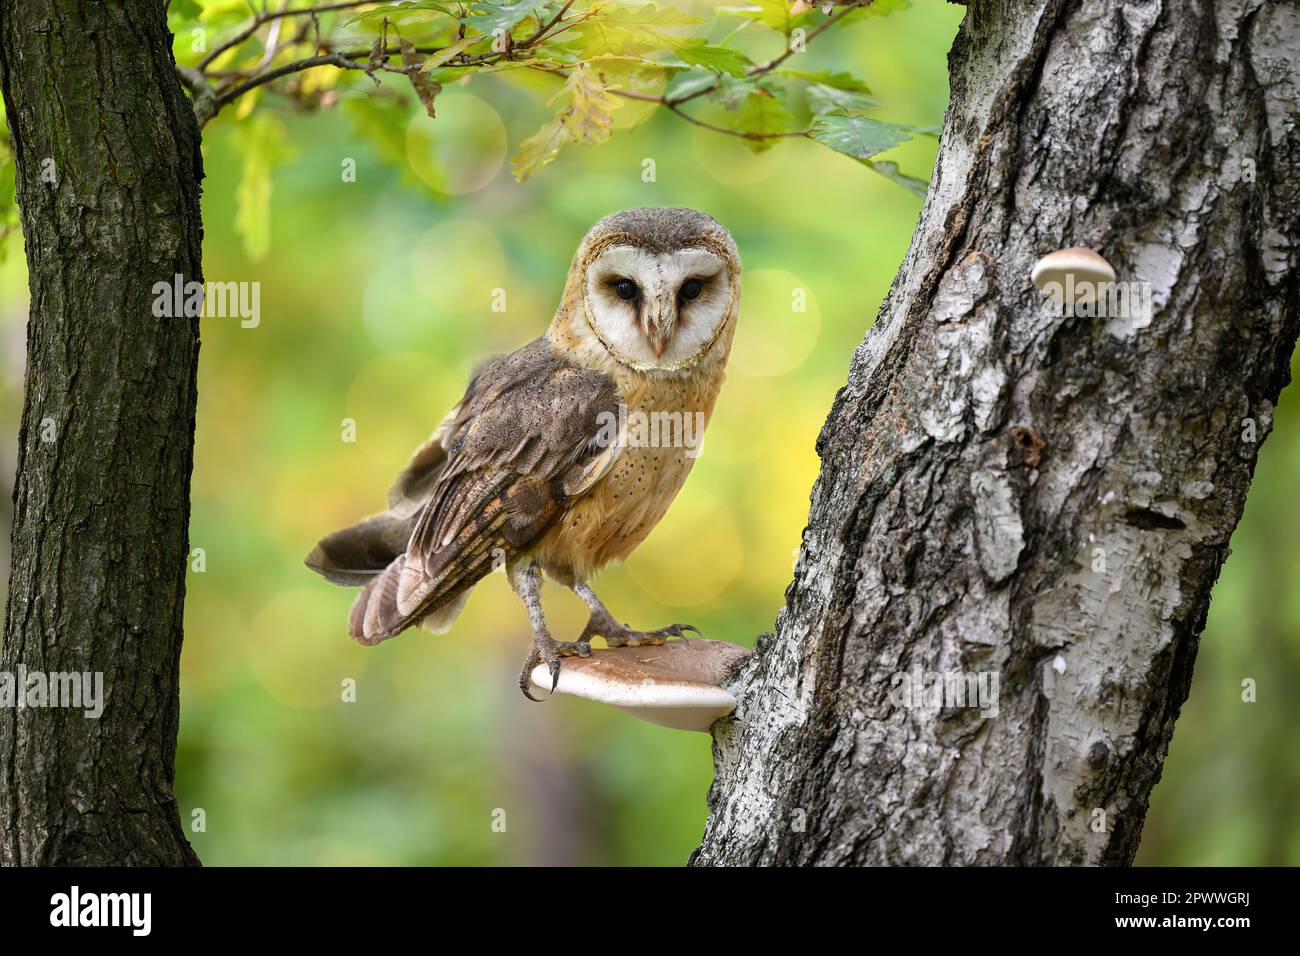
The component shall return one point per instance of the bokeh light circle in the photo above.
(457, 265)
(462, 150)
(394, 315)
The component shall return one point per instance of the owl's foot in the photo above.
(603, 624)
(620, 635)
(526, 579)
(546, 650)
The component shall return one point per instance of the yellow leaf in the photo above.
(586, 119)
(540, 148)
(591, 105)
(247, 102)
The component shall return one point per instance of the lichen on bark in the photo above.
(1047, 497)
(108, 172)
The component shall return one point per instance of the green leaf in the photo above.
(858, 136)
(8, 197)
(261, 143)
(698, 52)
(401, 13)
(890, 170)
(184, 10)
(838, 80)
(775, 14)
(636, 74)
(879, 8)
(733, 92)
(761, 117)
(691, 81)
(501, 16)
(383, 122)
(8, 189)
(627, 31)
(449, 53)
(222, 12)
(829, 99)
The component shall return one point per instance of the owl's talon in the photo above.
(679, 631)
(545, 648)
(526, 677)
(525, 680)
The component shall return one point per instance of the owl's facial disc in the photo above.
(657, 310)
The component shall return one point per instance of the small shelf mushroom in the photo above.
(1072, 275)
(675, 685)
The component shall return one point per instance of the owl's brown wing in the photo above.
(530, 436)
(355, 555)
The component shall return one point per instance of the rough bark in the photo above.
(108, 182)
(1048, 498)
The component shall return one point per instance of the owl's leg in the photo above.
(526, 579)
(603, 624)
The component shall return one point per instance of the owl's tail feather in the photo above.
(375, 616)
(357, 555)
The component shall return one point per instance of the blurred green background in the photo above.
(375, 306)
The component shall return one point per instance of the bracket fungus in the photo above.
(1072, 275)
(677, 685)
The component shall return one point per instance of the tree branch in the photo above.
(742, 134)
(762, 69)
(208, 102)
(264, 18)
(325, 59)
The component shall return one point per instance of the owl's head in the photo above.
(659, 287)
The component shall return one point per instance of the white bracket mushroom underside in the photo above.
(675, 685)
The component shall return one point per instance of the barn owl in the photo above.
(563, 455)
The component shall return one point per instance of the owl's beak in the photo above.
(661, 329)
(658, 342)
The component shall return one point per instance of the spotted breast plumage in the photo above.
(563, 455)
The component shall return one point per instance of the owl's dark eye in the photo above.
(691, 289)
(626, 289)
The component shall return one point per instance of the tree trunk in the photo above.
(1043, 499)
(108, 182)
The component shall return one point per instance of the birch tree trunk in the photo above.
(1045, 500)
(108, 165)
